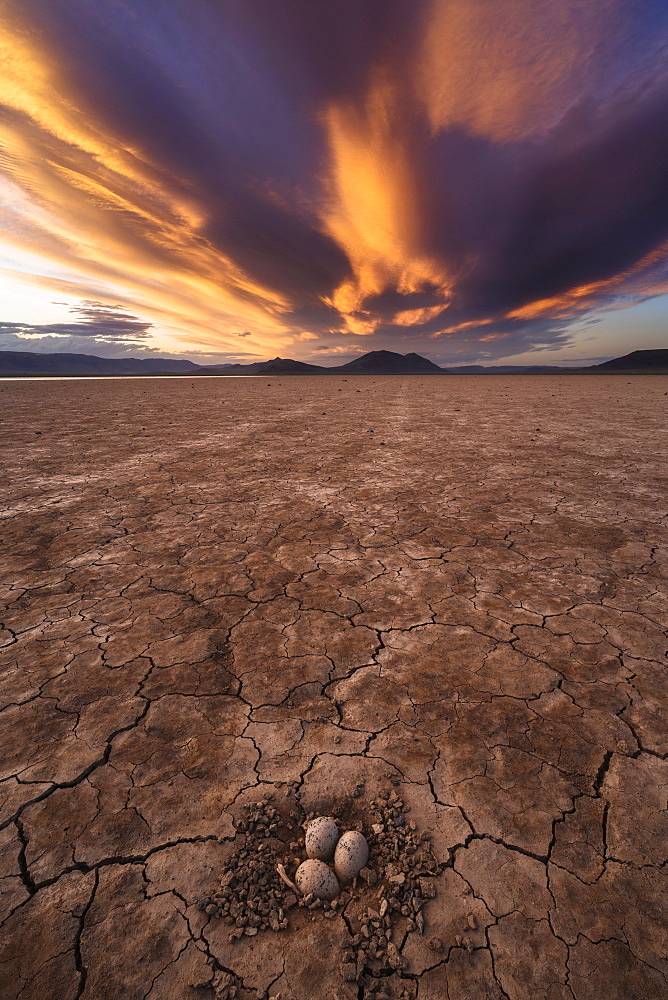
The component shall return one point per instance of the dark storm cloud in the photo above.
(433, 172)
(585, 206)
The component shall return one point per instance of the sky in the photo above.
(230, 180)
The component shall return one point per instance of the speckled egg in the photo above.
(351, 855)
(314, 876)
(321, 837)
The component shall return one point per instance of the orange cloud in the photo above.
(505, 70)
(414, 317)
(341, 349)
(373, 209)
(458, 327)
(102, 216)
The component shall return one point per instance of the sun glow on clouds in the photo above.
(95, 213)
(447, 188)
(374, 212)
(506, 70)
(644, 279)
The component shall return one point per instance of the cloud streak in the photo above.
(94, 326)
(444, 174)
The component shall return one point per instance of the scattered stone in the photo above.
(349, 971)
(252, 896)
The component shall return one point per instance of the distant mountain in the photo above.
(25, 363)
(30, 363)
(277, 366)
(390, 363)
(373, 363)
(636, 361)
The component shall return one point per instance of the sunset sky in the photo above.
(474, 180)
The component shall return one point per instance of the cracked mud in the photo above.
(220, 591)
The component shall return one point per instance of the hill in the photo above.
(636, 361)
(30, 363)
(277, 366)
(373, 363)
(390, 363)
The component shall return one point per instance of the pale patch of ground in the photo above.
(213, 590)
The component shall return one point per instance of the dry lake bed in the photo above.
(315, 593)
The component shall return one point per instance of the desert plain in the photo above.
(215, 591)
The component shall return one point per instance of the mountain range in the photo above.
(25, 363)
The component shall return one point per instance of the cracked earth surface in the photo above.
(216, 590)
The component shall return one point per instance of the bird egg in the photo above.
(351, 855)
(315, 877)
(321, 837)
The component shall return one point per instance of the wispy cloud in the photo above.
(343, 349)
(94, 326)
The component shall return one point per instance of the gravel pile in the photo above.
(403, 866)
(252, 897)
(395, 884)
